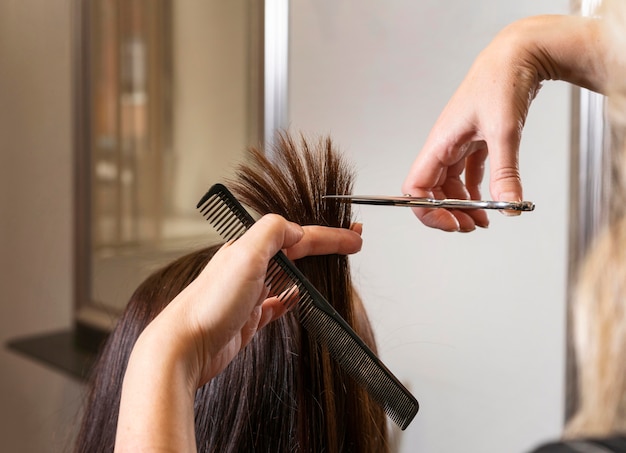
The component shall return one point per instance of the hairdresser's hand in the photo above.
(225, 306)
(226, 321)
(206, 325)
(486, 115)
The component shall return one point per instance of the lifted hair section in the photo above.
(292, 178)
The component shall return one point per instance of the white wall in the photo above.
(473, 322)
(37, 405)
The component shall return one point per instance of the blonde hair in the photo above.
(614, 20)
(600, 337)
(599, 305)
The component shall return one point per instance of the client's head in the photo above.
(282, 392)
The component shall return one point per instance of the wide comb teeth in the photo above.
(225, 215)
(317, 316)
(220, 210)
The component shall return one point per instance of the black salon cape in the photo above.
(615, 444)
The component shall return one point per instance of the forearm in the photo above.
(157, 406)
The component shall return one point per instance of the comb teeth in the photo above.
(281, 283)
(222, 214)
(317, 316)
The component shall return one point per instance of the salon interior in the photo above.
(117, 115)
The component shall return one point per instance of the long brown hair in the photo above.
(282, 392)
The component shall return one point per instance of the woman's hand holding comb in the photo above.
(206, 325)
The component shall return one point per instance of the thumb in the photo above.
(506, 184)
(505, 180)
(270, 234)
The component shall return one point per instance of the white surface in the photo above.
(473, 322)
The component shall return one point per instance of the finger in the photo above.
(266, 310)
(251, 326)
(268, 235)
(469, 187)
(506, 183)
(275, 307)
(454, 188)
(357, 228)
(441, 159)
(319, 240)
(475, 170)
(445, 146)
(426, 173)
(441, 219)
(474, 173)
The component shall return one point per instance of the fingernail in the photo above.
(508, 196)
(483, 223)
(509, 213)
(357, 227)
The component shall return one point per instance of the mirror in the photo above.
(168, 97)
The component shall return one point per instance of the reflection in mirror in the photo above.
(170, 95)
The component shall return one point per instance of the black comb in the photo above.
(318, 317)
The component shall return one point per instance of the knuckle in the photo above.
(506, 174)
(273, 220)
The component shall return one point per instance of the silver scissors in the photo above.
(419, 202)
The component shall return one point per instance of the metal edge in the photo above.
(276, 68)
(588, 208)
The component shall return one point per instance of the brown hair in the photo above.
(282, 392)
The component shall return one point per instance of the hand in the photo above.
(205, 326)
(226, 305)
(486, 115)
(228, 299)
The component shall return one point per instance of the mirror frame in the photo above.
(590, 183)
(270, 20)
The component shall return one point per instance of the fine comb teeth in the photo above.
(318, 317)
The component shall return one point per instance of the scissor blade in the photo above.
(449, 203)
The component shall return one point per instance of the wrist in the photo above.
(558, 47)
(166, 347)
